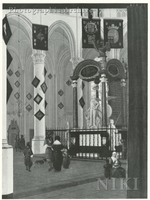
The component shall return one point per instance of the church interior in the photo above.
(77, 71)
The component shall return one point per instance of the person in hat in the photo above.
(22, 143)
(28, 154)
(57, 157)
(117, 171)
(48, 151)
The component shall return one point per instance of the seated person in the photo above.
(117, 171)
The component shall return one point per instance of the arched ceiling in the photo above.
(59, 47)
(20, 42)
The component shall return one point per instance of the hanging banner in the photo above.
(90, 32)
(113, 32)
(6, 30)
(40, 36)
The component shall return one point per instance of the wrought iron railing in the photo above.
(91, 143)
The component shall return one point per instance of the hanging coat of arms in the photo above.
(90, 32)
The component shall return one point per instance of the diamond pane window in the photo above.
(35, 82)
(68, 82)
(17, 95)
(9, 89)
(44, 87)
(10, 72)
(39, 115)
(46, 103)
(83, 85)
(45, 71)
(9, 59)
(17, 73)
(6, 30)
(17, 84)
(60, 105)
(60, 92)
(38, 99)
(29, 107)
(29, 96)
(82, 102)
(49, 76)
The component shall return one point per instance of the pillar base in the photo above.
(38, 145)
(7, 196)
(7, 170)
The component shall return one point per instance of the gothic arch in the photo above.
(24, 21)
(68, 31)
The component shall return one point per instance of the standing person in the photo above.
(27, 156)
(57, 157)
(17, 143)
(124, 149)
(48, 151)
(22, 143)
(107, 169)
(66, 158)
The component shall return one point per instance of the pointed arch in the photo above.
(68, 31)
(24, 21)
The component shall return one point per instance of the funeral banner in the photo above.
(6, 30)
(40, 37)
(90, 32)
(113, 32)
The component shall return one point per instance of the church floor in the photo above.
(80, 181)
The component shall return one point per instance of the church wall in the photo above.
(69, 35)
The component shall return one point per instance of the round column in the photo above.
(39, 103)
(75, 104)
(80, 105)
(97, 81)
(7, 150)
(103, 100)
(123, 107)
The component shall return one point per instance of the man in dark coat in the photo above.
(57, 157)
(22, 143)
(48, 152)
(27, 156)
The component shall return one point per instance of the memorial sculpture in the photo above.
(94, 113)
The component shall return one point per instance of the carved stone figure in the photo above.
(94, 114)
(113, 133)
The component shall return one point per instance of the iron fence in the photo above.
(93, 144)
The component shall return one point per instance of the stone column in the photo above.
(103, 100)
(80, 109)
(97, 81)
(75, 104)
(7, 150)
(39, 124)
(123, 109)
(76, 93)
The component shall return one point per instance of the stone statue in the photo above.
(112, 134)
(94, 114)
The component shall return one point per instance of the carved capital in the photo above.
(103, 78)
(74, 83)
(123, 82)
(38, 58)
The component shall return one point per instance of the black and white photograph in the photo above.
(74, 97)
